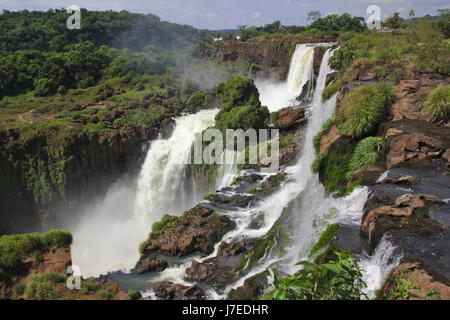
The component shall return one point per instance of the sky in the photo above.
(228, 14)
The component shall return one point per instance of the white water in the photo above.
(314, 210)
(277, 95)
(108, 236)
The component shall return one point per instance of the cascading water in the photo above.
(282, 94)
(108, 236)
(314, 210)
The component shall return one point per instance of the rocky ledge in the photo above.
(196, 231)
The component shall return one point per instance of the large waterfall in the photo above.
(276, 95)
(108, 236)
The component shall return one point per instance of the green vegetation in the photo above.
(438, 104)
(134, 295)
(315, 167)
(44, 287)
(363, 109)
(339, 279)
(241, 106)
(324, 239)
(199, 100)
(160, 226)
(321, 28)
(318, 137)
(15, 248)
(365, 155)
(331, 89)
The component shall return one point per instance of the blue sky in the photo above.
(224, 14)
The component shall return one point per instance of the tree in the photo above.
(412, 13)
(395, 21)
(314, 15)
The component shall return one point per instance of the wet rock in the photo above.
(423, 281)
(218, 271)
(225, 249)
(197, 230)
(365, 176)
(252, 288)
(149, 264)
(329, 138)
(238, 200)
(446, 157)
(413, 149)
(407, 181)
(409, 212)
(290, 118)
(175, 291)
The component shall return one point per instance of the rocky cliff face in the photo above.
(274, 55)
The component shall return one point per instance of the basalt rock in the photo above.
(410, 98)
(409, 212)
(290, 118)
(149, 264)
(175, 291)
(365, 176)
(218, 271)
(331, 136)
(424, 281)
(407, 181)
(252, 288)
(413, 149)
(197, 230)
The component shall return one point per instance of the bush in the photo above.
(438, 104)
(44, 287)
(365, 154)
(107, 294)
(134, 295)
(339, 279)
(15, 248)
(331, 89)
(159, 226)
(18, 289)
(364, 108)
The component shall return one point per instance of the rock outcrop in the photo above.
(409, 212)
(175, 291)
(289, 118)
(197, 230)
(150, 264)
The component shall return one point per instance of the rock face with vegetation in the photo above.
(196, 231)
(33, 267)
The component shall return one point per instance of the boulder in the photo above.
(407, 181)
(149, 264)
(197, 230)
(218, 271)
(252, 288)
(175, 291)
(423, 282)
(413, 149)
(409, 212)
(290, 118)
(365, 176)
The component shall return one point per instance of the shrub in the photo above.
(107, 294)
(18, 289)
(365, 154)
(134, 295)
(15, 248)
(365, 107)
(44, 287)
(438, 104)
(339, 279)
(331, 89)
(159, 226)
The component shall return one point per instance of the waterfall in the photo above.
(108, 235)
(163, 186)
(277, 95)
